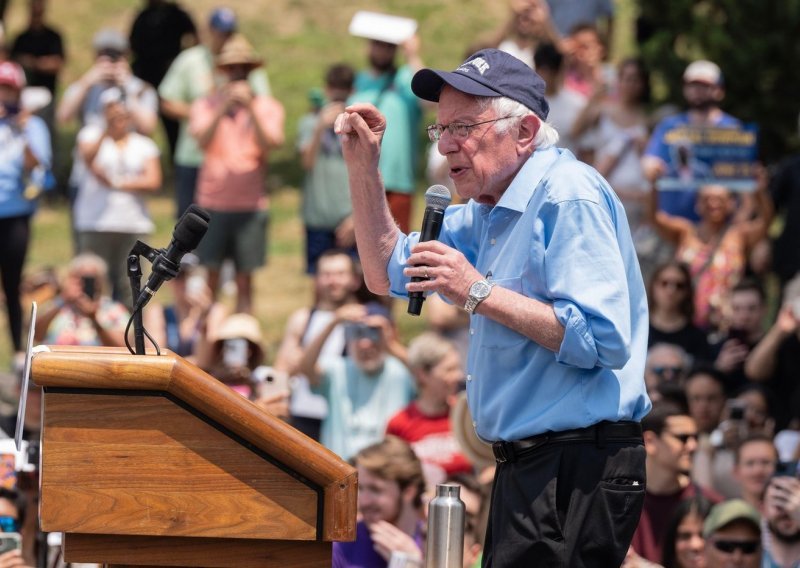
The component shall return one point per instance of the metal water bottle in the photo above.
(446, 514)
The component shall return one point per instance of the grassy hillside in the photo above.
(299, 39)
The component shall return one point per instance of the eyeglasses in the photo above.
(677, 284)
(458, 130)
(664, 370)
(9, 524)
(682, 438)
(730, 546)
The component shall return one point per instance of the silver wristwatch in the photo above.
(478, 292)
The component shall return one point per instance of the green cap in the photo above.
(725, 513)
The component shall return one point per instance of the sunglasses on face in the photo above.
(730, 546)
(683, 438)
(661, 371)
(9, 524)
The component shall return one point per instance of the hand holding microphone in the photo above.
(437, 198)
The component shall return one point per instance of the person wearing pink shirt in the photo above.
(236, 129)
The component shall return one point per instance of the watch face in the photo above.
(480, 289)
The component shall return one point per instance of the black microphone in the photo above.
(188, 232)
(437, 198)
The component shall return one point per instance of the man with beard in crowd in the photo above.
(703, 90)
(388, 87)
(780, 530)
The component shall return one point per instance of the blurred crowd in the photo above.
(721, 265)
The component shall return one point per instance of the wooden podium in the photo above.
(149, 461)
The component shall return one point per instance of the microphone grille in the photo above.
(198, 211)
(190, 230)
(437, 197)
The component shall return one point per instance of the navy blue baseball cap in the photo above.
(487, 73)
(223, 20)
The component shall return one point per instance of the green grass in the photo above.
(299, 39)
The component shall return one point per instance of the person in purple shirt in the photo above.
(390, 488)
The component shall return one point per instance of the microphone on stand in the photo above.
(188, 232)
(437, 198)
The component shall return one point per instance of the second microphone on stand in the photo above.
(188, 232)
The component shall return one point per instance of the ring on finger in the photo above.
(425, 274)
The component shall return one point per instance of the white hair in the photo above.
(427, 349)
(662, 348)
(546, 136)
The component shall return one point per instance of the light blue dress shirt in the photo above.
(558, 234)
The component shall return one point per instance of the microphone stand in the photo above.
(135, 277)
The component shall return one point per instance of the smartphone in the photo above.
(271, 381)
(738, 334)
(356, 331)
(786, 469)
(235, 352)
(89, 286)
(10, 541)
(736, 411)
(195, 284)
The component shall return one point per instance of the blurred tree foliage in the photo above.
(755, 42)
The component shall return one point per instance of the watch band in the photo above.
(484, 288)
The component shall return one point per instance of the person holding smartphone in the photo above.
(83, 313)
(749, 306)
(233, 352)
(12, 519)
(110, 211)
(364, 388)
(781, 539)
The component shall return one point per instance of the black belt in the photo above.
(599, 433)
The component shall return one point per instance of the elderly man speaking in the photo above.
(542, 258)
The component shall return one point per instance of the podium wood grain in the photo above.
(149, 461)
(143, 465)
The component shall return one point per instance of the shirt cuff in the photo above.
(578, 348)
(394, 269)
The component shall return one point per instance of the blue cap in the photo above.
(487, 73)
(223, 20)
(378, 309)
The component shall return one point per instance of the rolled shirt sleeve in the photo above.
(588, 283)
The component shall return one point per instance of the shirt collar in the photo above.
(519, 192)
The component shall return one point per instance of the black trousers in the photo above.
(14, 237)
(566, 504)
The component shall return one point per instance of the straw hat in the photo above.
(238, 51)
(240, 326)
(477, 451)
